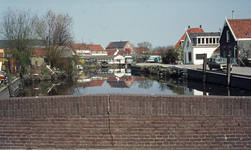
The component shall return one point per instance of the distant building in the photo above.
(121, 46)
(189, 30)
(196, 44)
(82, 49)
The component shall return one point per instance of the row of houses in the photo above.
(233, 39)
(115, 52)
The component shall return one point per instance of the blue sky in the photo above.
(160, 22)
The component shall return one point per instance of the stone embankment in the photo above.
(123, 121)
(160, 71)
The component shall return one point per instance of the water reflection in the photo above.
(121, 81)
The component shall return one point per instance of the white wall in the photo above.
(208, 51)
(187, 49)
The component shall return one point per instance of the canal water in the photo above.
(122, 81)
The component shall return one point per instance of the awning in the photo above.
(128, 49)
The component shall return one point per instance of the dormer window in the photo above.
(195, 41)
(247, 34)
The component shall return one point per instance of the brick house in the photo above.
(121, 46)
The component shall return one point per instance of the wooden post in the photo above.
(7, 67)
(204, 66)
(228, 70)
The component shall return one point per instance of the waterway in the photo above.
(122, 81)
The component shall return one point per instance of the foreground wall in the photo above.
(120, 121)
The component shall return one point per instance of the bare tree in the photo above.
(145, 44)
(55, 30)
(17, 28)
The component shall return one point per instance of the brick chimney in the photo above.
(188, 27)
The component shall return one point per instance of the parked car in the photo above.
(153, 59)
(218, 63)
(3, 76)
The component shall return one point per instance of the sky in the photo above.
(160, 22)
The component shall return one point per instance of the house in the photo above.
(235, 39)
(124, 46)
(40, 53)
(196, 44)
(95, 49)
(121, 46)
(82, 49)
(38, 56)
(120, 82)
(117, 52)
(189, 30)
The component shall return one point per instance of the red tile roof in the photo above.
(80, 46)
(77, 46)
(112, 52)
(40, 51)
(240, 27)
(91, 84)
(159, 52)
(93, 47)
(191, 30)
(141, 49)
(123, 52)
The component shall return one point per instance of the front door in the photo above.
(189, 57)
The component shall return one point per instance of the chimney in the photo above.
(188, 27)
(200, 26)
(233, 14)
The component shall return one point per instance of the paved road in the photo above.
(236, 69)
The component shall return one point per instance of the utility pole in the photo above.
(228, 70)
(204, 67)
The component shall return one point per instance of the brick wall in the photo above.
(120, 121)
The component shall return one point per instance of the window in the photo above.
(198, 40)
(227, 36)
(195, 41)
(230, 51)
(213, 40)
(187, 44)
(189, 56)
(199, 56)
(210, 40)
(207, 40)
(217, 40)
(202, 41)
